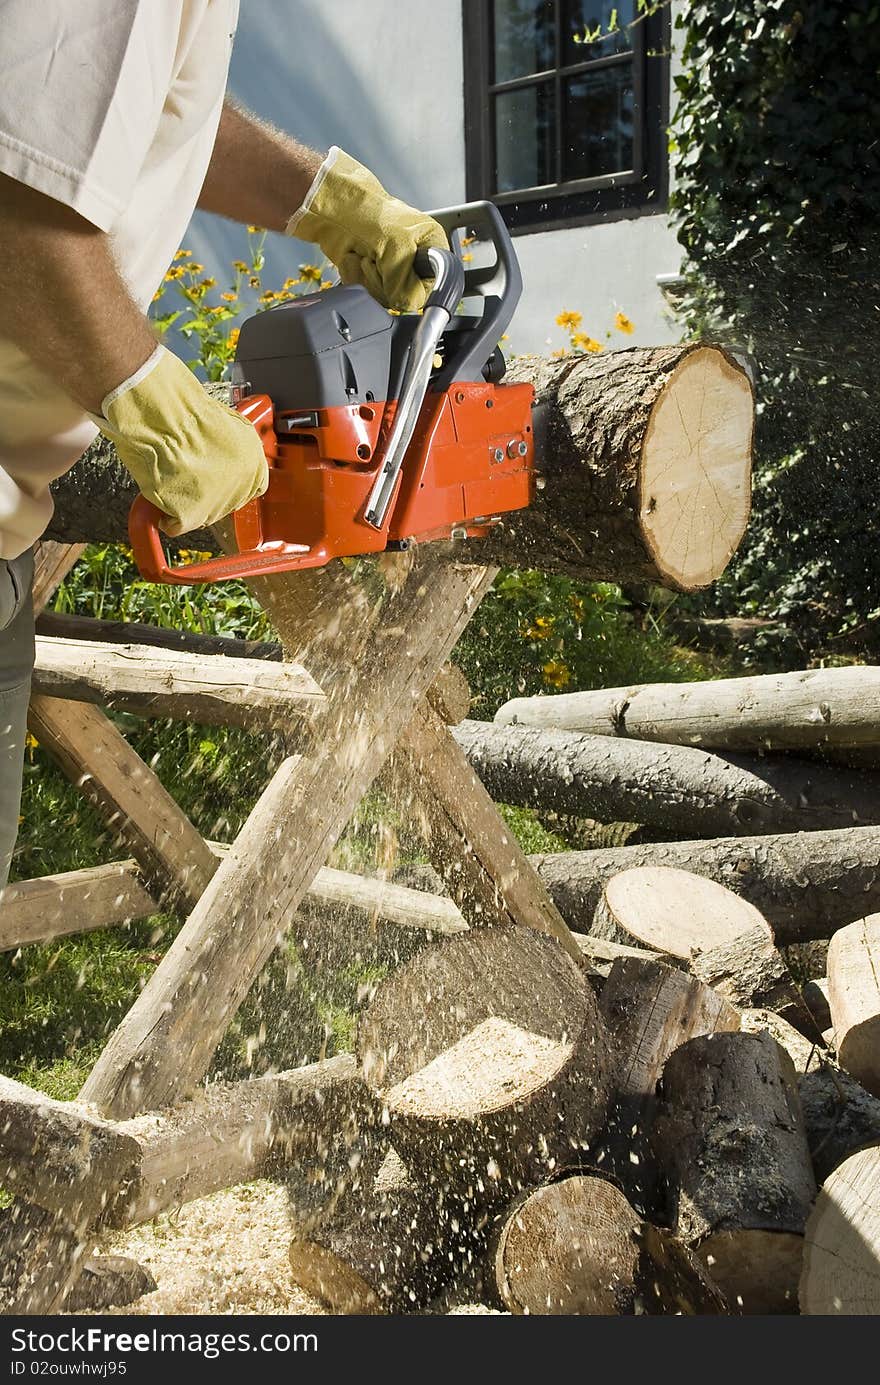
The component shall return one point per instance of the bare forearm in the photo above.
(257, 175)
(62, 299)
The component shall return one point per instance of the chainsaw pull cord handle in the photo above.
(448, 273)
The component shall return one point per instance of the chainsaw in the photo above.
(380, 430)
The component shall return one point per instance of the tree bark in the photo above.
(731, 1138)
(503, 1074)
(152, 682)
(649, 1010)
(644, 457)
(840, 1117)
(680, 790)
(806, 884)
(578, 1247)
(398, 1250)
(810, 709)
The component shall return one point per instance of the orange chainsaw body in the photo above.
(447, 451)
(471, 459)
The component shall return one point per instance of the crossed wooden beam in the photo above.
(372, 646)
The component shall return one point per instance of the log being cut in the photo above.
(644, 461)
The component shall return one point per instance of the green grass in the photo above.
(59, 1002)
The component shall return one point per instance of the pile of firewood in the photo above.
(688, 1122)
(636, 1135)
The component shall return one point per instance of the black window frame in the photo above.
(641, 192)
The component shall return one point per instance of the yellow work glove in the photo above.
(195, 458)
(371, 237)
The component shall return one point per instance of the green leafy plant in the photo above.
(777, 203)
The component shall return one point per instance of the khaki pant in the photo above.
(16, 667)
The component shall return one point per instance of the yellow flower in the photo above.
(175, 272)
(268, 296)
(556, 673)
(208, 283)
(569, 320)
(254, 281)
(229, 297)
(623, 324)
(196, 268)
(577, 605)
(326, 284)
(541, 629)
(157, 295)
(557, 355)
(232, 338)
(31, 741)
(183, 255)
(291, 283)
(240, 266)
(468, 240)
(255, 230)
(584, 342)
(310, 272)
(467, 258)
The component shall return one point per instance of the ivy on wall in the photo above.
(776, 147)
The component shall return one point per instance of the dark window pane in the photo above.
(581, 18)
(524, 38)
(598, 123)
(524, 138)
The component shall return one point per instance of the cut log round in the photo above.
(404, 1244)
(489, 1054)
(680, 790)
(805, 884)
(645, 458)
(675, 912)
(854, 998)
(811, 708)
(752, 973)
(731, 1138)
(578, 1247)
(841, 1271)
(649, 1010)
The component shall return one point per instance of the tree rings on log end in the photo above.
(677, 912)
(695, 476)
(489, 1054)
(577, 1247)
(841, 1271)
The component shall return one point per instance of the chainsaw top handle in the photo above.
(492, 284)
(447, 271)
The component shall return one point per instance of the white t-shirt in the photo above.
(111, 107)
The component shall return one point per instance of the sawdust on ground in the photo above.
(227, 1253)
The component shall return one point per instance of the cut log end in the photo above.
(488, 1052)
(577, 1247)
(695, 487)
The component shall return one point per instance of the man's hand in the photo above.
(259, 175)
(371, 237)
(194, 458)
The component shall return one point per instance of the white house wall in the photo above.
(384, 79)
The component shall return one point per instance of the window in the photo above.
(564, 127)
